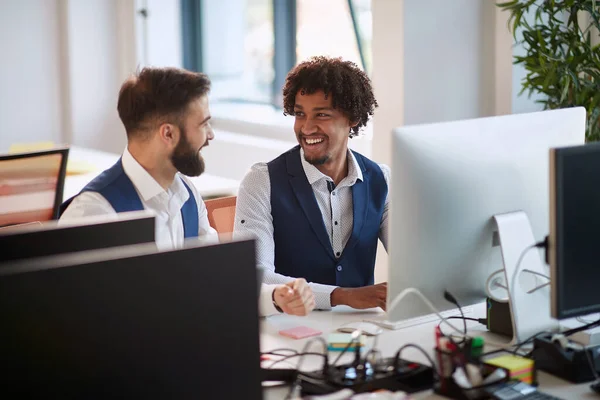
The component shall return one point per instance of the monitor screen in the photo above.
(58, 237)
(575, 223)
(132, 322)
(448, 181)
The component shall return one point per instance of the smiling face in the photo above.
(321, 130)
(194, 134)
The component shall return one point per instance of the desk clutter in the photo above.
(461, 370)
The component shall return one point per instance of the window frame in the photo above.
(284, 48)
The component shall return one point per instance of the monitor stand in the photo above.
(530, 312)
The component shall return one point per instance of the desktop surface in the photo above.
(388, 342)
(208, 185)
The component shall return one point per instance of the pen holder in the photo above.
(446, 385)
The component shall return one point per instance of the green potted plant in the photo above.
(562, 53)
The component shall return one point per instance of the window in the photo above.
(327, 28)
(247, 47)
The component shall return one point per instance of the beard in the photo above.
(186, 159)
(316, 161)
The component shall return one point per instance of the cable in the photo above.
(449, 297)
(355, 335)
(529, 339)
(295, 387)
(482, 321)
(536, 273)
(542, 244)
(573, 331)
(492, 280)
(444, 320)
(414, 346)
(408, 291)
(295, 355)
(276, 352)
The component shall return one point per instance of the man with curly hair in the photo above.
(318, 210)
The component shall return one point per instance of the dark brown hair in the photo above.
(349, 87)
(158, 95)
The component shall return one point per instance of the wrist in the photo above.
(275, 302)
(338, 297)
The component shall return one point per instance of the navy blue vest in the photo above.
(116, 187)
(302, 244)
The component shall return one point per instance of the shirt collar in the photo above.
(313, 174)
(145, 184)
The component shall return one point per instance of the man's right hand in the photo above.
(360, 298)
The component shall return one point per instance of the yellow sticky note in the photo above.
(78, 167)
(511, 362)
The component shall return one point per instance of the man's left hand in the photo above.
(295, 298)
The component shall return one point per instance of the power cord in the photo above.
(590, 325)
(482, 321)
(491, 280)
(295, 388)
(425, 300)
(543, 244)
(414, 346)
(276, 362)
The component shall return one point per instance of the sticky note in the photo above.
(520, 368)
(300, 332)
(339, 341)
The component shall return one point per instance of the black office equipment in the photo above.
(573, 253)
(408, 376)
(131, 322)
(498, 317)
(86, 234)
(574, 227)
(571, 363)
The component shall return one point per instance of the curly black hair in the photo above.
(350, 88)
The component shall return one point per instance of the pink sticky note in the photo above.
(300, 332)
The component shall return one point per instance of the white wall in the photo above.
(65, 60)
(30, 93)
(442, 60)
(94, 79)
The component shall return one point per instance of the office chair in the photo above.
(31, 185)
(221, 214)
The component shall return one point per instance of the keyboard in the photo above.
(406, 323)
(516, 390)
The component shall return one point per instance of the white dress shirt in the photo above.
(166, 205)
(254, 207)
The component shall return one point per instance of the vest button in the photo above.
(339, 268)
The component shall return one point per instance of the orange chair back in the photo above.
(31, 186)
(221, 213)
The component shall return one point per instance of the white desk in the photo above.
(388, 343)
(207, 185)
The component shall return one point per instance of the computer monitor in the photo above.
(448, 181)
(57, 237)
(573, 248)
(132, 322)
